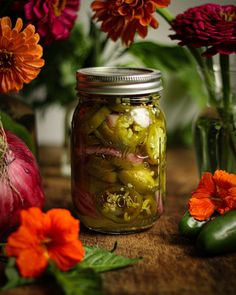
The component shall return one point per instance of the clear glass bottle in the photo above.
(118, 149)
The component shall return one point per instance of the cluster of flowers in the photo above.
(215, 193)
(20, 52)
(42, 236)
(210, 25)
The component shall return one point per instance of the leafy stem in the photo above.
(82, 279)
(226, 98)
(207, 74)
(206, 67)
(225, 78)
(166, 14)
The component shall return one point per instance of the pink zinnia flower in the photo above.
(53, 18)
(209, 25)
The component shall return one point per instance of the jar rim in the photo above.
(118, 80)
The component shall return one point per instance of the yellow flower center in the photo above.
(44, 244)
(228, 17)
(6, 60)
(59, 6)
(46, 241)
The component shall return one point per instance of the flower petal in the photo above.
(206, 187)
(224, 179)
(201, 209)
(211, 26)
(53, 19)
(18, 49)
(61, 226)
(135, 15)
(66, 256)
(43, 236)
(32, 262)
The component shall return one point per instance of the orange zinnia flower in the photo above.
(122, 18)
(43, 237)
(20, 55)
(214, 193)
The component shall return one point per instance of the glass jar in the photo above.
(118, 149)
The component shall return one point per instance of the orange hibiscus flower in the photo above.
(123, 18)
(20, 55)
(214, 193)
(43, 237)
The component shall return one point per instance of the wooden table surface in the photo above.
(171, 264)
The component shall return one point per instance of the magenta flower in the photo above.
(210, 25)
(53, 19)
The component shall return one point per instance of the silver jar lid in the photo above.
(118, 81)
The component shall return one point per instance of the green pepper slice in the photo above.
(95, 120)
(120, 107)
(149, 206)
(119, 204)
(140, 179)
(121, 163)
(106, 134)
(155, 144)
(129, 133)
(96, 186)
(218, 236)
(101, 169)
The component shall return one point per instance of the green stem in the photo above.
(166, 14)
(2, 244)
(207, 74)
(206, 67)
(94, 57)
(209, 63)
(229, 136)
(225, 78)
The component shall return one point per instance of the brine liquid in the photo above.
(118, 165)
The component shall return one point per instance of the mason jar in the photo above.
(118, 149)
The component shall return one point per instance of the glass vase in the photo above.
(215, 140)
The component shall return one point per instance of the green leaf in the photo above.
(84, 279)
(101, 260)
(163, 57)
(174, 62)
(78, 281)
(18, 129)
(56, 80)
(13, 278)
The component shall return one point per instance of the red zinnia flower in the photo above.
(43, 237)
(53, 19)
(209, 25)
(123, 18)
(214, 193)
